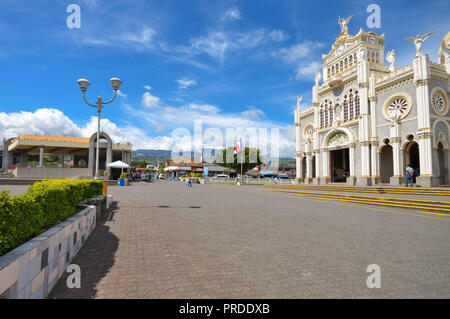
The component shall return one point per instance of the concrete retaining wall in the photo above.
(49, 172)
(32, 269)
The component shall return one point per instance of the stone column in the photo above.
(351, 180)
(397, 178)
(23, 159)
(325, 156)
(5, 155)
(374, 158)
(41, 156)
(364, 120)
(375, 164)
(308, 177)
(421, 65)
(108, 158)
(299, 167)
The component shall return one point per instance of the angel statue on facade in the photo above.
(318, 77)
(418, 40)
(390, 57)
(299, 100)
(344, 23)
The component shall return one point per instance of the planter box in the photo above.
(32, 269)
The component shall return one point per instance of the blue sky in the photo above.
(229, 63)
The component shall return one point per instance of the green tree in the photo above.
(221, 159)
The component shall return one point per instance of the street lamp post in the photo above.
(84, 84)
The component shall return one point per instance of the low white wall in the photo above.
(250, 181)
(50, 172)
(32, 269)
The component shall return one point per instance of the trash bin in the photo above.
(121, 181)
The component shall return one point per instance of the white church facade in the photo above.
(369, 120)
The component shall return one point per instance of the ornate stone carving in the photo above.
(338, 139)
(425, 135)
(309, 133)
(422, 82)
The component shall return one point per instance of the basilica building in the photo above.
(370, 119)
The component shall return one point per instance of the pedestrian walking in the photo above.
(189, 183)
(409, 175)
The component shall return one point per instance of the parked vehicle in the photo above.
(160, 176)
(282, 176)
(221, 176)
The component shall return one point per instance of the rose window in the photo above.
(399, 106)
(438, 102)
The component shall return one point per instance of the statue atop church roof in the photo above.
(418, 40)
(344, 24)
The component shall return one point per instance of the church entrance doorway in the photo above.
(304, 167)
(386, 164)
(442, 167)
(339, 165)
(412, 157)
(313, 167)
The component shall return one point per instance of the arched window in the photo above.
(321, 116)
(351, 59)
(357, 111)
(326, 113)
(341, 66)
(345, 107)
(350, 102)
(346, 62)
(331, 113)
(442, 59)
(332, 69)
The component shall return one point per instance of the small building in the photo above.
(184, 166)
(26, 156)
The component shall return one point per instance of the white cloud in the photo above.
(203, 108)
(54, 122)
(278, 35)
(297, 52)
(232, 14)
(42, 121)
(121, 94)
(253, 112)
(142, 40)
(185, 83)
(305, 72)
(149, 100)
(147, 87)
(217, 44)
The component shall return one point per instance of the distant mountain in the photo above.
(159, 153)
(163, 155)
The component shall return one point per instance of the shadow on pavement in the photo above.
(95, 259)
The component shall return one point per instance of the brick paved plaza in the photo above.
(165, 240)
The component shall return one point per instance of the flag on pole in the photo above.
(238, 147)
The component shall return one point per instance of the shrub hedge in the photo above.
(44, 205)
